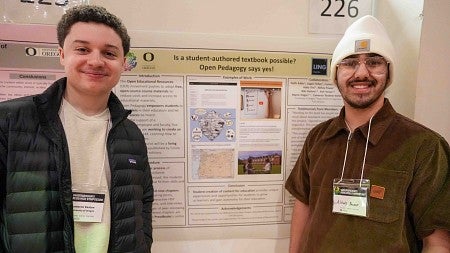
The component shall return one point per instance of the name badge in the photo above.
(88, 207)
(350, 196)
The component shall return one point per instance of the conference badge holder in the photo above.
(351, 196)
(88, 204)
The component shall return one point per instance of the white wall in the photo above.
(403, 21)
(433, 86)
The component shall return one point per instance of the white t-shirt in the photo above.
(86, 137)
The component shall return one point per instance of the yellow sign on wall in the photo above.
(191, 61)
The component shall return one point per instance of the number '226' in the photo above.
(352, 10)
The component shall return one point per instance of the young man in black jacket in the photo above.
(74, 171)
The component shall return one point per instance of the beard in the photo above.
(363, 101)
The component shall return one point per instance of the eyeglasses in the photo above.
(374, 64)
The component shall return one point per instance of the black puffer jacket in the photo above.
(35, 183)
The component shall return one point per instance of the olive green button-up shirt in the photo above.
(408, 160)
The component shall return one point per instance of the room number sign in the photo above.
(36, 11)
(334, 16)
(44, 2)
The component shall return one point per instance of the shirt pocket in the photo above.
(392, 206)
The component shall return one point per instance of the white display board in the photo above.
(223, 128)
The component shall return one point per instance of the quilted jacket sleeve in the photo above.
(3, 162)
(147, 205)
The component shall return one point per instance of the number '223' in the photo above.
(58, 3)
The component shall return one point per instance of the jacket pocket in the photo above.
(393, 203)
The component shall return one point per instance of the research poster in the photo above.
(223, 128)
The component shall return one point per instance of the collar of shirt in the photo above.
(380, 123)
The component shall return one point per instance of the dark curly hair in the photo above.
(92, 13)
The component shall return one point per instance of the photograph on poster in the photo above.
(259, 162)
(260, 103)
